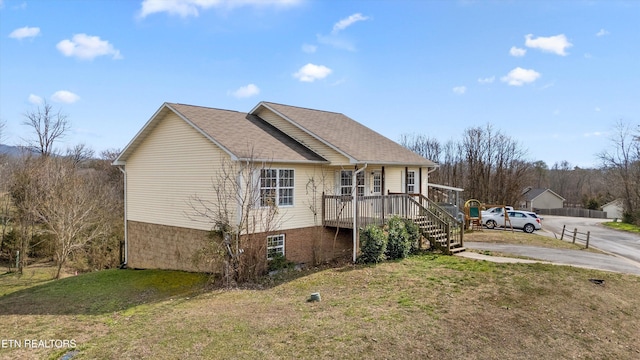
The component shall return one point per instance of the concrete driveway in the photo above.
(621, 243)
(577, 258)
(623, 248)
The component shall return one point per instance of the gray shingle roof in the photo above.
(348, 136)
(246, 136)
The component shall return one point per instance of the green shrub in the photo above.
(414, 235)
(373, 244)
(398, 244)
(279, 262)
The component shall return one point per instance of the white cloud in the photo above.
(35, 99)
(87, 47)
(460, 90)
(517, 52)
(487, 80)
(25, 32)
(520, 76)
(65, 96)
(346, 22)
(246, 91)
(186, 8)
(554, 44)
(311, 73)
(336, 42)
(309, 49)
(602, 32)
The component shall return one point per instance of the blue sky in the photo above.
(553, 75)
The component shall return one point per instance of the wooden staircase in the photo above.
(442, 229)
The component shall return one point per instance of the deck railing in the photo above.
(337, 211)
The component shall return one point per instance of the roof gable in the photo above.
(240, 135)
(532, 193)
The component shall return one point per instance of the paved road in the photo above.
(577, 258)
(613, 241)
(623, 247)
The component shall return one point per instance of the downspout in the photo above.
(354, 193)
(126, 232)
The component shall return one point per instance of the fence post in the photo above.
(562, 235)
(588, 233)
(575, 232)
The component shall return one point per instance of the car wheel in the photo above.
(490, 224)
(529, 228)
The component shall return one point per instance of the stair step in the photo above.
(457, 250)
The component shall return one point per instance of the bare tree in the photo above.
(72, 207)
(79, 154)
(238, 209)
(623, 161)
(24, 188)
(48, 127)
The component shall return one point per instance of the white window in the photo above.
(276, 187)
(346, 182)
(275, 246)
(377, 182)
(411, 182)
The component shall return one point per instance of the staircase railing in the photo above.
(444, 221)
(338, 211)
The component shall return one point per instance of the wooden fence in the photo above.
(576, 235)
(574, 212)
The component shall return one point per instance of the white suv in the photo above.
(524, 220)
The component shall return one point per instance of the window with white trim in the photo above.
(411, 182)
(275, 246)
(276, 187)
(346, 182)
(377, 182)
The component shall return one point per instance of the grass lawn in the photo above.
(622, 226)
(426, 306)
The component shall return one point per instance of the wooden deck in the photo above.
(436, 223)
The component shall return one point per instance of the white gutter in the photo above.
(354, 193)
(126, 236)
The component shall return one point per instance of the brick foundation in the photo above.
(153, 246)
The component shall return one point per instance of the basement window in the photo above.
(275, 246)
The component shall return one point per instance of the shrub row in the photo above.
(399, 238)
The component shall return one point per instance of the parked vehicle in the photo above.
(495, 210)
(525, 220)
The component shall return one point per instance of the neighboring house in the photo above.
(182, 149)
(541, 199)
(614, 209)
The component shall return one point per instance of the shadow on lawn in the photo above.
(101, 292)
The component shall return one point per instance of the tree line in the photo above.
(63, 205)
(492, 167)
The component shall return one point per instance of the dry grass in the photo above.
(427, 306)
(518, 237)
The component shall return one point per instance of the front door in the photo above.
(376, 183)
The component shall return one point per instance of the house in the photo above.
(614, 209)
(305, 163)
(541, 199)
